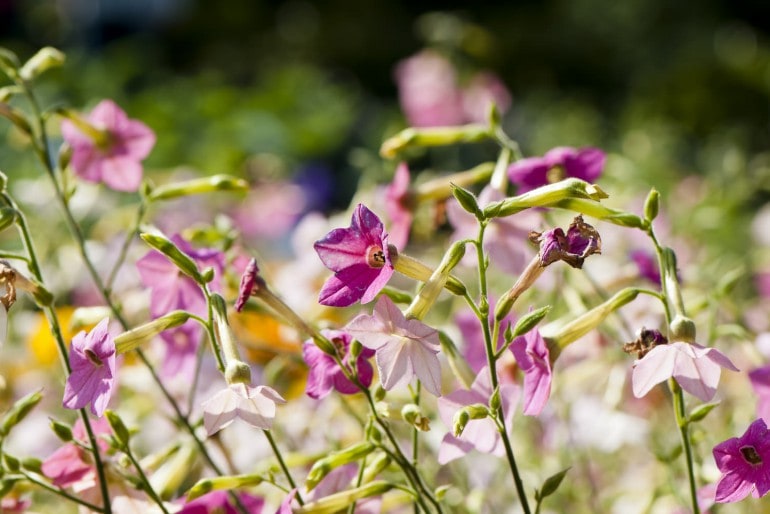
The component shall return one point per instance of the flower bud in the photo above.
(412, 415)
(32, 464)
(198, 186)
(336, 459)
(682, 329)
(223, 483)
(430, 137)
(529, 321)
(62, 431)
(355, 349)
(467, 201)
(651, 205)
(435, 284)
(135, 337)
(379, 393)
(7, 217)
(494, 401)
(182, 261)
(375, 466)
(19, 411)
(9, 63)
(337, 502)
(237, 372)
(459, 421)
(12, 464)
(208, 274)
(16, 117)
(545, 196)
(46, 58)
(119, 429)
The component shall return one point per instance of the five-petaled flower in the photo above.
(359, 257)
(325, 374)
(254, 405)
(404, 347)
(108, 147)
(557, 164)
(695, 368)
(745, 464)
(533, 357)
(92, 359)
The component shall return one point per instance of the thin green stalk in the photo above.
(684, 429)
(415, 436)
(281, 463)
(126, 245)
(60, 492)
(147, 485)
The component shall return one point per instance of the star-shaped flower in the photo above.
(92, 359)
(254, 405)
(533, 358)
(695, 368)
(745, 464)
(111, 149)
(359, 257)
(404, 347)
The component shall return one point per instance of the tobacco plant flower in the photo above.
(92, 359)
(557, 164)
(745, 464)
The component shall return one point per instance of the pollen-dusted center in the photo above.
(92, 357)
(375, 257)
(750, 454)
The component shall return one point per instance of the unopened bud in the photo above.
(467, 201)
(62, 431)
(46, 58)
(182, 261)
(198, 186)
(119, 429)
(529, 321)
(494, 400)
(237, 372)
(355, 349)
(12, 464)
(651, 205)
(208, 274)
(19, 411)
(682, 329)
(32, 464)
(7, 217)
(459, 422)
(134, 338)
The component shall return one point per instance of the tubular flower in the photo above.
(557, 164)
(745, 464)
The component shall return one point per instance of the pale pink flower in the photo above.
(114, 157)
(483, 90)
(69, 466)
(695, 368)
(533, 357)
(254, 405)
(398, 206)
(404, 347)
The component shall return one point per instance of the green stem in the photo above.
(684, 430)
(126, 245)
(147, 486)
(281, 463)
(61, 492)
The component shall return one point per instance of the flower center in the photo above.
(750, 455)
(556, 174)
(375, 257)
(92, 357)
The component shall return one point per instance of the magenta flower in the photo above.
(745, 464)
(359, 257)
(533, 357)
(398, 206)
(69, 466)
(647, 264)
(92, 380)
(254, 405)
(557, 164)
(580, 241)
(473, 336)
(326, 375)
(760, 382)
(404, 347)
(695, 368)
(479, 434)
(112, 151)
(249, 280)
(219, 502)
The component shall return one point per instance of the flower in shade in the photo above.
(745, 464)
(254, 405)
(479, 434)
(647, 265)
(359, 257)
(325, 374)
(472, 334)
(580, 241)
(108, 147)
(695, 368)
(404, 347)
(219, 502)
(557, 164)
(533, 358)
(69, 466)
(483, 90)
(398, 206)
(760, 382)
(92, 380)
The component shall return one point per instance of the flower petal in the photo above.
(653, 368)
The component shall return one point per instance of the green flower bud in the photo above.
(237, 372)
(336, 502)
(19, 411)
(119, 429)
(7, 217)
(62, 431)
(355, 349)
(46, 58)
(375, 465)
(494, 400)
(682, 329)
(12, 464)
(32, 464)
(208, 274)
(223, 483)
(198, 186)
(379, 393)
(135, 337)
(430, 137)
(467, 201)
(530, 320)
(651, 205)
(459, 422)
(336, 459)
(9, 63)
(16, 117)
(182, 261)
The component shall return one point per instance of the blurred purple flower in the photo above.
(745, 464)
(69, 466)
(340, 479)
(398, 208)
(479, 434)
(762, 283)
(760, 382)
(695, 368)
(359, 257)
(254, 405)
(533, 357)
(326, 375)
(113, 150)
(181, 346)
(404, 347)
(218, 502)
(647, 264)
(558, 163)
(484, 89)
(92, 380)
(270, 210)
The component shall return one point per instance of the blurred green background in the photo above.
(305, 90)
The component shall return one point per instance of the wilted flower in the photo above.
(533, 357)
(254, 405)
(325, 374)
(108, 146)
(557, 164)
(359, 257)
(92, 359)
(695, 368)
(580, 241)
(645, 341)
(404, 347)
(745, 464)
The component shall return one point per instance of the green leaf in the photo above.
(700, 412)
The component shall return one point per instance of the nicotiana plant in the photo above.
(430, 382)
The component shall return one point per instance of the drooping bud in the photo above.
(467, 201)
(182, 261)
(46, 58)
(431, 137)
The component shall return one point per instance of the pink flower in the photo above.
(580, 241)
(484, 89)
(218, 502)
(472, 334)
(254, 405)
(479, 434)
(68, 466)
(647, 264)
(760, 382)
(397, 205)
(745, 464)
(340, 479)
(92, 359)
(558, 163)
(113, 150)
(404, 347)
(695, 368)
(359, 257)
(326, 375)
(249, 279)
(533, 358)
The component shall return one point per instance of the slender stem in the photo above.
(684, 426)
(415, 436)
(60, 492)
(281, 463)
(147, 486)
(126, 245)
